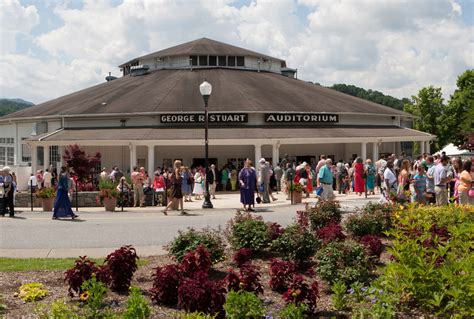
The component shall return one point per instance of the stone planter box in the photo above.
(85, 199)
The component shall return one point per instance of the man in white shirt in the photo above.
(390, 178)
(441, 178)
(33, 183)
(103, 174)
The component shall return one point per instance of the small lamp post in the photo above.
(206, 88)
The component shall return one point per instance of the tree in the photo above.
(429, 110)
(83, 164)
(459, 115)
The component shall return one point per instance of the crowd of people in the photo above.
(428, 179)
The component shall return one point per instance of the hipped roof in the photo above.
(174, 91)
(203, 46)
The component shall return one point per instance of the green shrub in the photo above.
(32, 292)
(247, 231)
(292, 311)
(137, 306)
(433, 260)
(344, 261)
(339, 297)
(196, 315)
(323, 213)
(371, 207)
(191, 239)
(368, 223)
(297, 243)
(93, 295)
(243, 305)
(59, 309)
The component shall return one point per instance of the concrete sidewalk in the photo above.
(97, 233)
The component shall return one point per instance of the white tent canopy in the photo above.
(452, 150)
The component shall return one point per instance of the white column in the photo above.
(34, 159)
(275, 154)
(46, 157)
(151, 159)
(258, 154)
(375, 152)
(427, 147)
(422, 147)
(133, 156)
(363, 151)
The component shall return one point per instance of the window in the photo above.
(25, 153)
(2, 140)
(194, 60)
(240, 61)
(212, 60)
(10, 156)
(222, 61)
(231, 61)
(203, 60)
(54, 156)
(39, 155)
(3, 155)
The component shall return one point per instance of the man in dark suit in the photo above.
(211, 179)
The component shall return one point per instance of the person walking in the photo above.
(465, 187)
(247, 182)
(264, 181)
(32, 183)
(325, 180)
(8, 192)
(441, 179)
(359, 176)
(211, 179)
(430, 186)
(137, 181)
(188, 181)
(370, 172)
(62, 205)
(176, 191)
(278, 172)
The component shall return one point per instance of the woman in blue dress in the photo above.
(186, 187)
(62, 206)
(247, 182)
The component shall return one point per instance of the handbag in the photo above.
(471, 192)
(258, 200)
(319, 191)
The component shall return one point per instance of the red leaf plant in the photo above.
(83, 270)
(330, 232)
(281, 274)
(121, 264)
(300, 292)
(242, 256)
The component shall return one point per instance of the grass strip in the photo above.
(31, 264)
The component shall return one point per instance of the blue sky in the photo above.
(52, 48)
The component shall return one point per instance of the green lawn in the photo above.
(27, 264)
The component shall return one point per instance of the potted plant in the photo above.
(296, 191)
(108, 195)
(47, 195)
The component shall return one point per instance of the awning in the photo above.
(297, 135)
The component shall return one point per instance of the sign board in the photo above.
(301, 118)
(187, 118)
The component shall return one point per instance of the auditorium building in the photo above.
(154, 114)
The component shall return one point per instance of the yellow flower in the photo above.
(402, 207)
(84, 296)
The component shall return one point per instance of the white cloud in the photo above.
(394, 47)
(15, 19)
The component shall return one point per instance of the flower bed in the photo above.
(425, 268)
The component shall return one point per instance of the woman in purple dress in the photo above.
(247, 182)
(62, 206)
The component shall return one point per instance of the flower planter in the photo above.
(297, 197)
(110, 204)
(47, 204)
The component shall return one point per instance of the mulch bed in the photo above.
(53, 282)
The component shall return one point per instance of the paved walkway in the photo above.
(96, 233)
